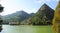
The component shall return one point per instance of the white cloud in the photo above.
(31, 10)
(44, 1)
(11, 6)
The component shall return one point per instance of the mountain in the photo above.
(44, 16)
(32, 14)
(17, 13)
(45, 9)
(18, 16)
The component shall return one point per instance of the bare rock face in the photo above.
(1, 9)
(56, 20)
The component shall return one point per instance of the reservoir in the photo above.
(26, 29)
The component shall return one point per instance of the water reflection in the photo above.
(16, 29)
(26, 29)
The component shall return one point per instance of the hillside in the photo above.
(18, 16)
(44, 16)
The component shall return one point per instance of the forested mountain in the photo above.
(18, 16)
(44, 16)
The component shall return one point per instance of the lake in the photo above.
(26, 29)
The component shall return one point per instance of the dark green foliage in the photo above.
(1, 9)
(44, 16)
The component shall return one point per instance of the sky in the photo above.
(29, 6)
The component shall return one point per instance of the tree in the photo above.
(1, 9)
(56, 20)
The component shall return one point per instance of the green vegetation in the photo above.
(44, 16)
(18, 16)
(56, 20)
(1, 9)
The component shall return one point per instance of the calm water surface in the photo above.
(26, 29)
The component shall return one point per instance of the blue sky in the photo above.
(29, 6)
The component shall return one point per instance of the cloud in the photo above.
(45, 1)
(0, 0)
(31, 10)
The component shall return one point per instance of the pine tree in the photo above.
(56, 20)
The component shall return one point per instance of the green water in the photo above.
(26, 29)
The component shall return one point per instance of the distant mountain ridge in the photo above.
(16, 13)
(18, 16)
